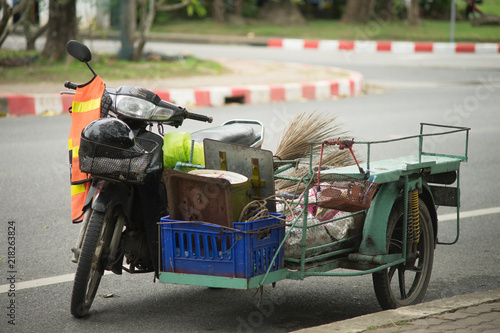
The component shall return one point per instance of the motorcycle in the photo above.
(122, 159)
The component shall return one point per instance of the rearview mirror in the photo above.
(79, 51)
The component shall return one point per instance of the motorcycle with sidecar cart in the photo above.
(225, 223)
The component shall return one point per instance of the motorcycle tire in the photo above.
(92, 261)
(81, 237)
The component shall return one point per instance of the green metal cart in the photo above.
(394, 200)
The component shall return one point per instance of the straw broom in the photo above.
(303, 129)
(337, 158)
(294, 143)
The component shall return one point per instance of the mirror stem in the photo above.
(91, 69)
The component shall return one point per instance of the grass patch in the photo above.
(398, 30)
(106, 65)
(490, 7)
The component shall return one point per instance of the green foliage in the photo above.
(490, 7)
(196, 7)
(162, 18)
(250, 9)
(428, 31)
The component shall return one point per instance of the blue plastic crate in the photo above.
(207, 249)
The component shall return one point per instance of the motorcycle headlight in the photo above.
(137, 108)
(134, 107)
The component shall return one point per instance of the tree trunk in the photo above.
(133, 47)
(128, 25)
(235, 15)
(62, 27)
(8, 12)
(30, 21)
(148, 13)
(413, 12)
(219, 11)
(358, 11)
(31, 37)
(238, 7)
(281, 12)
(385, 11)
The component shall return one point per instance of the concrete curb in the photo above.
(384, 47)
(33, 104)
(423, 310)
(358, 46)
(351, 85)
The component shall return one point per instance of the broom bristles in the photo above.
(294, 143)
(335, 159)
(303, 129)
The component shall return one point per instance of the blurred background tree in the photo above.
(8, 12)
(62, 27)
(144, 11)
(282, 12)
(358, 11)
(134, 19)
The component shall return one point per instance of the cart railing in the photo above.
(421, 136)
(384, 261)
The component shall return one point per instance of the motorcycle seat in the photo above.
(233, 133)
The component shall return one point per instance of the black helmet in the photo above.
(111, 132)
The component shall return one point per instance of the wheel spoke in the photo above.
(391, 272)
(402, 282)
(95, 278)
(395, 246)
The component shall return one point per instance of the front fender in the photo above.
(110, 194)
(375, 227)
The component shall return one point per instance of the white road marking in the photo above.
(38, 282)
(70, 277)
(471, 213)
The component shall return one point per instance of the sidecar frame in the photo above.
(424, 172)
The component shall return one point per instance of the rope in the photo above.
(257, 209)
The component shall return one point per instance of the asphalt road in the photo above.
(462, 90)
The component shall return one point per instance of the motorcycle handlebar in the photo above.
(199, 117)
(70, 85)
(188, 115)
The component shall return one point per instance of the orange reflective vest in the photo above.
(85, 109)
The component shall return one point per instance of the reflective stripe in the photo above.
(75, 151)
(77, 189)
(79, 107)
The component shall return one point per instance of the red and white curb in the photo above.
(387, 47)
(350, 85)
(34, 104)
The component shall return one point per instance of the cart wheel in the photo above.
(92, 261)
(404, 285)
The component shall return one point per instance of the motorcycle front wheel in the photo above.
(92, 261)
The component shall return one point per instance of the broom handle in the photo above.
(320, 160)
(342, 145)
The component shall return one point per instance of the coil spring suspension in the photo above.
(413, 218)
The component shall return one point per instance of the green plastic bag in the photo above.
(177, 148)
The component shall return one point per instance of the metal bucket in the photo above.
(240, 187)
